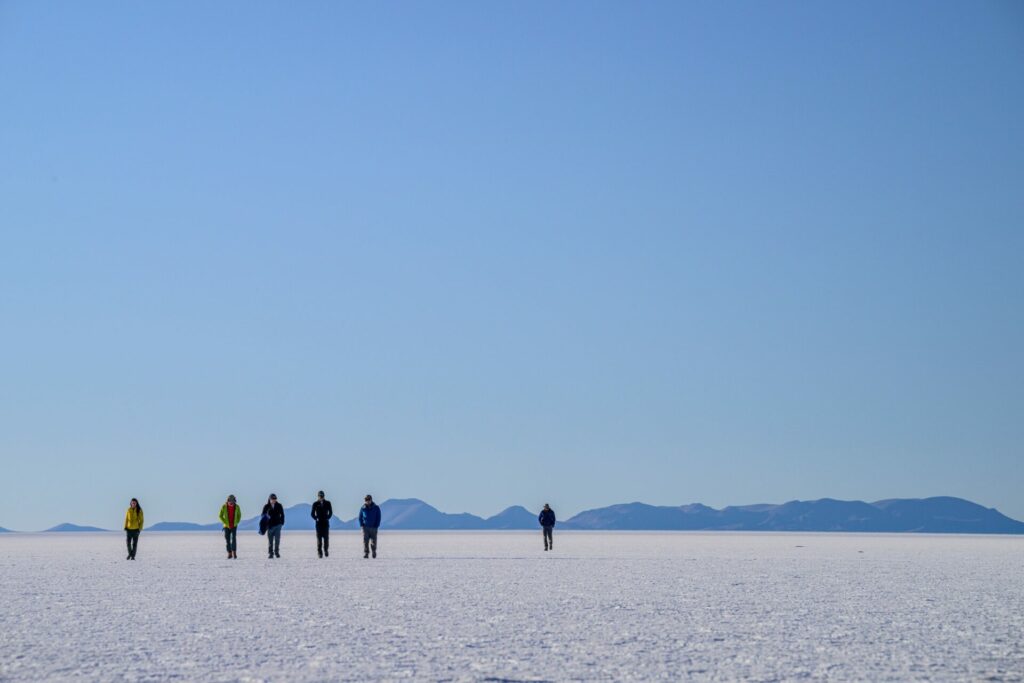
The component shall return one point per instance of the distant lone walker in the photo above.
(133, 526)
(369, 520)
(230, 516)
(547, 523)
(274, 512)
(322, 513)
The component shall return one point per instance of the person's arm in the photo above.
(330, 511)
(282, 514)
(312, 512)
(127, 512)
(362, 516)
(142, 520)
(223, 515)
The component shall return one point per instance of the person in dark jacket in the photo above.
(547, 523)
(369, 520)
(322, 513)
(275, 520)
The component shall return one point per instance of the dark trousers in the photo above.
(132, 539)
(369, 539)
(549, 539)
(231, 538)
(274, 540)
(323, 537)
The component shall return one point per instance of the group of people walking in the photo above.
(272, 521)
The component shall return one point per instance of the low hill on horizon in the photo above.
(67, 526)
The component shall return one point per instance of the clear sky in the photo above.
(488, 254)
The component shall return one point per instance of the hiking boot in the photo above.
(366, 556)
(320, 554)
(375, 554)
(326, 554)
(277, 554)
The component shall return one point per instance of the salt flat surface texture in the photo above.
(495, 607)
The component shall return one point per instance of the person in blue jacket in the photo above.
(369, 520)
(547, 523)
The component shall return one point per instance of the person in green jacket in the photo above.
(231, 517)
(133, 526)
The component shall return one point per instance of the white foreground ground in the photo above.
(495, 607)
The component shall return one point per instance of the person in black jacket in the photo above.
(547, 523)
(369, 520)
(322, 513)
(275, 520)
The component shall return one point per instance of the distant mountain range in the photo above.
(397, 513)
(928, 515)
(923, 515)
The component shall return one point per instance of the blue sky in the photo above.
(490, 254)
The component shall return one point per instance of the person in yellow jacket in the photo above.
(231, 517)
(133, 520)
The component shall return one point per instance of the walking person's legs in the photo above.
(322, 539)
(369, 541)
(227, 541)
(128, 542)
(273, 541)
(133, 542)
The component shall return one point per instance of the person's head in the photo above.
(134, 503)
(273, 499)
(320, 495)
(546, 506)
(231, 499)
(368, 500)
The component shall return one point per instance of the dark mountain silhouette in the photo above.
(930, 515)
(412, 513)
(934, 515)
(67, 526)
(515, 517)
(948, 515)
